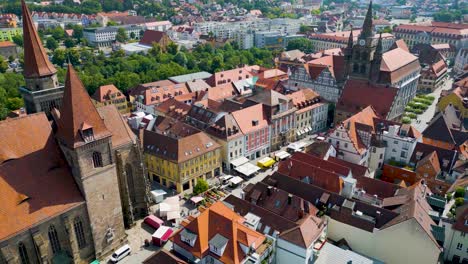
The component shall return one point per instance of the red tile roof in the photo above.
(152, 36)
(114, 121)
(395, 59)
(246, 117)
(158, 92)
(35, 181)
(219, 219)
(77, 112)
(105, 92)
(334, 63)
(36, 62)
(4, 44)
(378, 96)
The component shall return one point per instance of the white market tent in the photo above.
(173, 215)
(282, 155)
(247, 169)
(170, 204)
(158, 195)
(236, 180)
(239, 161)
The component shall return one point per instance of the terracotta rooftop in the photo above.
(218, 219)
(36, 62)
(461, 224)
(445, 156)
(152, 36)
(78, 112)
(157, 92)
(163, 256)
(247, 117)
(334, 63)
(400, 44)
(106, 93)
(178, 149)
(4, 44)
(114, 121)
(35, 181)
(378, 96)
(394, 59)
(173, 108)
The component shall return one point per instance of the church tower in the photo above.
(42, 92)
(361, 55)
(87, 146)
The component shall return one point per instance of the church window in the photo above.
(97, 159)
(80, 237)
(23, 253)
(54, 241)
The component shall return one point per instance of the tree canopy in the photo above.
(302, 44)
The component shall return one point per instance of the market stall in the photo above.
(248, 169)
(282, 155)
(265, 162)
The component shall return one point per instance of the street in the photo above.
(429, 113)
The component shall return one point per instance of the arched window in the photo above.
(79, 232)
(54, 241)
(130, 182)
(97, 159)
(23, 253)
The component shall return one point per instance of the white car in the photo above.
(121, 253)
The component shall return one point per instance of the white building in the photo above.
(456, 236)
(104, 36)
(158, 25)
(461, 60)
(367, 140)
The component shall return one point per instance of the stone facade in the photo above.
(36, 245)
(99, 185)
(133, 186)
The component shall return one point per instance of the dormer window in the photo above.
(445, 163)
(86, 132)
(218, 244)
(188, 237)
(419, 155)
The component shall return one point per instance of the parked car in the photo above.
(121, 253)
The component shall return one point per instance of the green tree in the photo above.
(121, 35)
(459, 192)
(14, 103)
(181, 59)
(3, 65)
(69, 43)
(51, 43)
(302, 44)
(91, 7)
(132, 35)
(3, 107)
(74, 56)
(172, 48)
(459, 201)
(112, 23)
(77, 32)
(58, 33)
(59, 57)
(201, 186)
(18, 40)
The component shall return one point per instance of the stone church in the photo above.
(71, 175)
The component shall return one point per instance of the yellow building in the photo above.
(109, 94)
(457, 97)
(177, 162)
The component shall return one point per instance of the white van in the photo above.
(121, 253)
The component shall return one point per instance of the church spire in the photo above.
(379, 48)
(36, 62)
(79, 121)
(367, 30)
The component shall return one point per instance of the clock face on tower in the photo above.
(362, 42)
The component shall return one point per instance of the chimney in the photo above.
(289, 199)
(269, 190)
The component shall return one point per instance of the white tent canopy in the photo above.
(170, 204)
(239, 161)
(158, 195)
(173, 215)
(247, 169)
(236, 180)
(282, 154)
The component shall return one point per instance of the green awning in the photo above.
(62, 258)
(95, 262)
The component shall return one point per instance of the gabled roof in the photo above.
(77, 111)
(218, 219)
(105, 92)
(422, 150)
(36, 62)
(378, 96)
(268, 97)
(352, 125)
(35, 181)
(246, 117)
(114, 121)
(400, 44)
(462, 218)
(226, 127)
(395, 59)
(448, 127)
(334, 63)
(152, 36)
(163, 256)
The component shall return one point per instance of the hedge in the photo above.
(406, 120)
